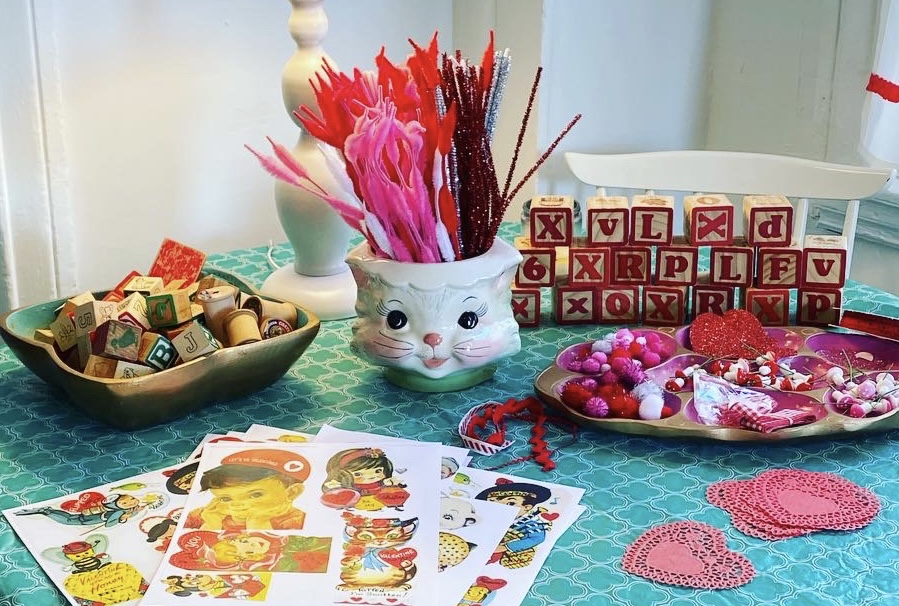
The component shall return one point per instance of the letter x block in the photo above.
(771, 306)
(608, 221)
(652, 220)
(618, 305)
(709, 220)
(768, 220)
(573, 304)
(824, 262)
(664, 305)
(631, 265)
(818, 307)
(551, 219)
(714, 299)
(778, 267)
(526, 306)
(676, 265)
(537, 268)
(588, 266)
(731, 265)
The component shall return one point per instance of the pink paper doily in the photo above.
(689, 554)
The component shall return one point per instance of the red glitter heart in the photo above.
(689, 554)
(736, 334)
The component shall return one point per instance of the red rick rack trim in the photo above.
(483, 429)
(879, 85)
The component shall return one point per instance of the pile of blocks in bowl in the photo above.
(629, 268)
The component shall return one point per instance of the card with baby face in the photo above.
(333, 522)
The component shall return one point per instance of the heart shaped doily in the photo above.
(689, 554)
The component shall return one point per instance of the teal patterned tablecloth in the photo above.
(48, 449)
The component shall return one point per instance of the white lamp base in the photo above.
(328, 297)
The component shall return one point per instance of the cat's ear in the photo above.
(362, 279)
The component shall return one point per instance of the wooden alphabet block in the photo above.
(63, 329)
(771, 306)
(824, 262)
(523, 243)
(818, 307)
(156, 351)
(731, 266)
(130, 370)
(175, 261)
(90, 315)
(618, 305)
(551, 221)
(664, 305)
(573, 304)
(526, 306)
(133, 310)
(84, 345)
(608, 220)
(676, 265)
(714, 299)
(194, 341)
(169, 309)
(709, 220)
(98, 366)
(115, 339)
(652, 220)
(71, 304)
(145, 285)
(211, 281)
(778, 267)
(537, 268)
(588, 266)
(631, 265)
(44, 335)
(768, 220)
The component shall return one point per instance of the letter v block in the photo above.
(652, 220)
(709, 220)
(664, 305)
(551, 219)
(770, 306)
(526, 306)
(824, 262)
(588, 266)
(608, 221)
(767, 220)
(818, 307)
(574, 304)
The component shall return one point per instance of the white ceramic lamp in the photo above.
(318, 279)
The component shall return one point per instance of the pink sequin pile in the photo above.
(783, 503)
(689, 554)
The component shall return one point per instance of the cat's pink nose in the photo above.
(433, 339)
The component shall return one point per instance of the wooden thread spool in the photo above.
(274, 327)
(271, 309)
(217, 303)
(242, 327)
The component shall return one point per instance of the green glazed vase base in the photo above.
(457, 381)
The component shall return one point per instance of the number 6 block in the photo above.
(537, 268)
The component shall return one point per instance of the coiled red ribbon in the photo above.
(883, 87)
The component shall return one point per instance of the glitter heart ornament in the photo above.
(735, 334)
(688, 554)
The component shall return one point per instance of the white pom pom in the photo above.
(651, 407)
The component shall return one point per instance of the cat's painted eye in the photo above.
(468, 320)
(396, 319)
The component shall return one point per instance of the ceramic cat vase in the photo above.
(435, 326)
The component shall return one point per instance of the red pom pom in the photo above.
(620, 352)
(575, 395)
(666, 412)
(635, 349)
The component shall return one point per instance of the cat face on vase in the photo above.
(438, 318)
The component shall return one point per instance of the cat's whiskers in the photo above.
(406, 343)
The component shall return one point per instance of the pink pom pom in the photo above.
(600, 357)
(608, 378)
(650, 359)
(590, 366)
(619, 364)
(596, 407)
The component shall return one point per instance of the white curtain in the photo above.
(880, 125)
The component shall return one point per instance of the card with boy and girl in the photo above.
(269, 515)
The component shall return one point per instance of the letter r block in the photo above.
(574, 304)
(652, 220)
(778, 267)
(631, 265)
(818, 307)
(824, 262)
(551, 220)
(709, 220)
(588, 266)
(618, 305)
(731, 265)
(714, 299)
(608, 220)
(537, 268)
(676, 265)
(771, 306)
(768, 220)
(664, 305)
(526, 306)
